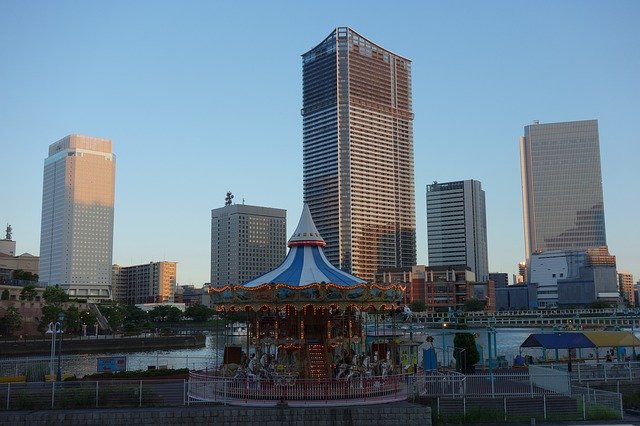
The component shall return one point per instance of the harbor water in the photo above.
(507, 342)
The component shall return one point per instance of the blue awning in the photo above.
(560, 340)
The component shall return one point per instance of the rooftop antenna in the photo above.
(228, 199)
(9, 229)
(243, 201)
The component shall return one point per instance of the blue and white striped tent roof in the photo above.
(306, 263)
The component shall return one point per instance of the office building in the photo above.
(358, 174)
(457, 226)
(246, 242)
(562, 187)
(574, 277)
(501, 279)
(153, 282)
(625, 286)
(76, 240)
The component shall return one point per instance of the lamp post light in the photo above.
(54, 329)
(59, 325)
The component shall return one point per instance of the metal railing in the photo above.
(602, 372)
(456, 385)
(34, 368)
(523, 408)
(301, 392)
(92, 394)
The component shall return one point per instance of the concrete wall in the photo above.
(402, 413)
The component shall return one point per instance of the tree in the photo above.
(599, 304)
(49, 314)
(54, 295)
(418, 306)
(72, 322)
(165, 313)
(28, 292)
(198, 312)
(11, 322)
(5, 295)
(465, 352)
(474, 305)
(115, 314)
(19, 274)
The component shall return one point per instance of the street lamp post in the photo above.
(54, 329)
(59, 325)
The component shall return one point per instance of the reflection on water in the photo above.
(508, 341)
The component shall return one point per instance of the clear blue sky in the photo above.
(204, 97)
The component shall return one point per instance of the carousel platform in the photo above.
(288, 390)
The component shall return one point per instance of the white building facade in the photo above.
(246, 241)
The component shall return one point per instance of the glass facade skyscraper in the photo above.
(457, 226)
(562, 187)
(358, 152)
(76, 239)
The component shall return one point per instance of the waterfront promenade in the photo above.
(558, 318)
(101, 343)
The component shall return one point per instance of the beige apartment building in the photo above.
(154, 282)
(625, 285)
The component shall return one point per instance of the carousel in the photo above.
(308, 328)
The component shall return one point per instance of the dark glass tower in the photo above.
(562, 187)
(358, 152)
(457, 226)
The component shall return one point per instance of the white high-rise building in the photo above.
(246, 242)
(457, 226)
(76, 240)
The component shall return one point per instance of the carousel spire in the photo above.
(306, 263)
(306, 234)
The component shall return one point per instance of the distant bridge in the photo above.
(562, 318)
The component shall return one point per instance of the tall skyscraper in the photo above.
(358, 152)
(562, 187)
(246, 241)
(76, 239)
(457, 226)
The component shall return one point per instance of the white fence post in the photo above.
(621, 408)
(464, 407)
(584, 409)
(544, 403)
(53, 392)
(579, 375)
(438, 405)
(8, 394)
(505, 408)
(97, 393)
(140, 394)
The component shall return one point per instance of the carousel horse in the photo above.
(241, 373)
(385, 368)
(342, 370)
(264, 360)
